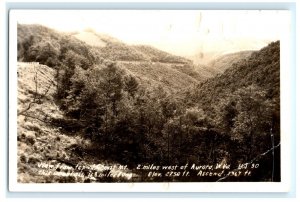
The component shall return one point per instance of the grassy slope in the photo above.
(90, 38)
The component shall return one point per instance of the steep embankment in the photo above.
(45, 153)
(38, 141)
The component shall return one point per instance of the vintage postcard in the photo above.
(149, 100)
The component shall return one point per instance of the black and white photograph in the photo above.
(148, 96)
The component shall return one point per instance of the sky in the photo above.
(181, 32)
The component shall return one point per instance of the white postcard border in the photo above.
(283, 186)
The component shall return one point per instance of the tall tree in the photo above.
(253, 119)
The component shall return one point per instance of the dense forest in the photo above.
(137, 105)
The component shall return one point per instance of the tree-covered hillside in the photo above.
(261, 69)
(135, 105)
(223, 62)
(243, 104)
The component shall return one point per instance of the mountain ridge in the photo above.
(55, 49)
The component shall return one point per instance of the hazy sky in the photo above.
(183, 32)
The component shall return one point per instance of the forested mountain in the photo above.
(141, 56)
(136, 105)
(261, 69)
(114, 49)
(85, 49)
(244, 102)
(223, 62)
(37, 43)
